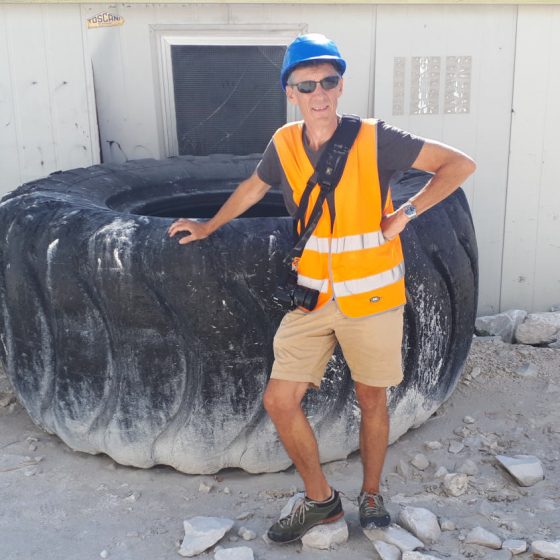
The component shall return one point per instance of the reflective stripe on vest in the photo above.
(354, 263)
(319, 285)
(345, 244)
(363, 285)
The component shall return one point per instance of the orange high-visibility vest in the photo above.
(355, 264)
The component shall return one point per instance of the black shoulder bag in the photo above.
(327, 174)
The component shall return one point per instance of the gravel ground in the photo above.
(57, 504)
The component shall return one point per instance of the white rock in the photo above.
(227, 490)
(527, 370)
(421, 522)
(455, 484)
(326, 536)
(462, 431)
(539, 328)
(417, 556)
(515, 546)
(244, 515)
(246, 534)
(526, 469)
(104, 554)
(481, 536)
(468, 467)
(132, 498)
(456, 447)
(387, 551)
(475, 372)
(448, 525)
(420, 462)
(202, 533)
(433, 445)
(204, 487)
(502, 325)
(237, 553)
(441, 472)
(287, 509)
(396, 536)
(469, 420)
(549, 550)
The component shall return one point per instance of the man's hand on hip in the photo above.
(392, 224)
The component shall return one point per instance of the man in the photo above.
(355, 261)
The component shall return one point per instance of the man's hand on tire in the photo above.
(197, 230)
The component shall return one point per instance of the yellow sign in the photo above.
(104, 19)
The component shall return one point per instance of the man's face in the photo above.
(318, 106)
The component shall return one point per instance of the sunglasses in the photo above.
(309, 86)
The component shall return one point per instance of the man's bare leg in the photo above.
(282, 400)
(374, 433)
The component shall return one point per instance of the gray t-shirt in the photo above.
(396, 151)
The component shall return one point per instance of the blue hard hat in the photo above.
(312, 46)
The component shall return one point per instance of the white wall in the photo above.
(47, 106)
(531, 260)
(487, 35)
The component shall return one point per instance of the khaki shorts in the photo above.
(371, 346)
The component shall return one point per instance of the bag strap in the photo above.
(327, 174)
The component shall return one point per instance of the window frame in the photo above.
(164, 37)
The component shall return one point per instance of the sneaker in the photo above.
(305, 515)
(372, 511)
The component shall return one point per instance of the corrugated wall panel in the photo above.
(25, 31)
(531, 276)
(486, 34)
(47, 92)
(70, 88)
(10, 168)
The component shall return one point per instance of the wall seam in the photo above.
(15, 112)
(89, 82)
(51, 90)
(508, 168)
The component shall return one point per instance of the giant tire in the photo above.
(121, 341)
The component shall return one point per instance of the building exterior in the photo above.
(82, 83)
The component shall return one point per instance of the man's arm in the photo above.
(450, 167)
(247, 194)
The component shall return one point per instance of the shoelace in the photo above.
(372, 504)
(301, 507)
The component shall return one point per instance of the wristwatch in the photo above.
(409, 210)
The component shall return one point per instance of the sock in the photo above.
(326, 502)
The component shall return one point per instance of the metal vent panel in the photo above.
(228, 99)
